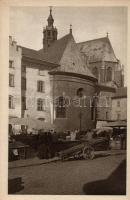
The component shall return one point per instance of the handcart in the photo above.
(85, 150)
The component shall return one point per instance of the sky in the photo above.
(26, 25)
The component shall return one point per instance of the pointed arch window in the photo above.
(61, 107)
(109, 74)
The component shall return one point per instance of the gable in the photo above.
(98, 50)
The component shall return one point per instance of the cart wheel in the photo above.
(88, 153)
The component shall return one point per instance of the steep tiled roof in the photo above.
(34, 54)
(120, 92)
(63, 52)
(56, 50)
(98, 50)
(31, 53)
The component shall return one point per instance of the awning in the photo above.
(116, 124)
(103, 129)
(31, 123)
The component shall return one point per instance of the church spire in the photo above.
(50, 18)
(50, 32)
(70, 28)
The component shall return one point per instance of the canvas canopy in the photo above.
(31, 123)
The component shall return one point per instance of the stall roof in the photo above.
(31, 123)
(116, 124)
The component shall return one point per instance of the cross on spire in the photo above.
(50, 9)
(107, 34)
(71, 28)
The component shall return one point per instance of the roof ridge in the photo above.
(29, 48)
(91, 40)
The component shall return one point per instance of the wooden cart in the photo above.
(86, 149)
(83, 150)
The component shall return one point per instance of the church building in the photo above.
(58, 83)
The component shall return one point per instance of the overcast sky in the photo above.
(26, 25)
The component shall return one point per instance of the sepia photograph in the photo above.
(67, 100)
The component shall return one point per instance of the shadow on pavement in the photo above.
(115, 184)
(15, 185)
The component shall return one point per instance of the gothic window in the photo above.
(11, 102)
(109, 74)
(61, 108)
(41, 86)
(41, 104)
(95, 72)
(11, 80)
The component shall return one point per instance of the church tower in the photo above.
(50, 32)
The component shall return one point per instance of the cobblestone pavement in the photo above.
(68, 177)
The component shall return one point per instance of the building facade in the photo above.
(119, 105)
(15, 57)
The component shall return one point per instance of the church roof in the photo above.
(56, 50)
(65, 52)
(34, 54)
(31, 53)
(98, 50)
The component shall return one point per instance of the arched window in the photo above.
(109, 74)
(80, 92)
(95, 72)
(61, 107)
